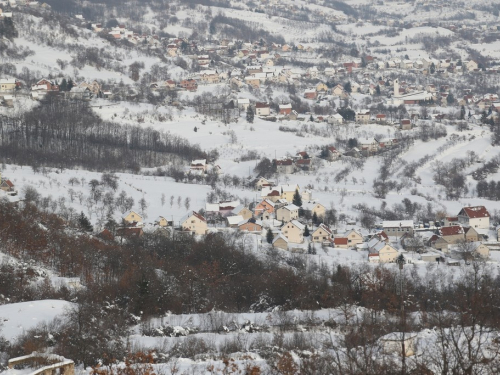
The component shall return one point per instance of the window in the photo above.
(192, 221)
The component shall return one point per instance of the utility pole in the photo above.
(401, 262)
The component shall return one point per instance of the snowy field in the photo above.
(17, 318)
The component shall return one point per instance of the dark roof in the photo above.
(451, 231)
(475, 212)
(340, 240)
(261, 105)
(284, 162)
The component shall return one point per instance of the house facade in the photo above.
(354, 238)
(293, 231)
(398, 228)
(287, 213)
(194, 223)
(476, 217)
(132, 217)
(322, 234)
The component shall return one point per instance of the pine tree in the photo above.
(297, 199)
(311, 249)
(70, 84)
(315, 218)
(84, 223)
(250, 115)
(269, 236)
(306, 232)
(347, 87)
(462, 113)
(64, 85)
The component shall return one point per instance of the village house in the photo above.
(243, 103)
(199, 165)
(369, 145)
(322, 234)
(285, 109)
(281, 242)
(285, 166)
(333, 153)
(397, 228)
(209, 76)
(195, 223)
(242, 211)
(471, 235)
(405, 124)
(252, 81)
(319, 210)
(261, 182)
(7, 186)
(288, 191)
(45, 85)
(7, 85)
(363, 116)
(310, 94)
(354, 238)
(189, 84)
(250, 225)
(287, 213)
(293, 231)
(272, 194)
(262, 109)
(94, 87)
(265, 206)
(321, 88)
(234, 221)
(161, 221)
(132, 217)
(448, 236)
(303, 164)
(338, 90)
(381, 251)
(80, 93)
(335, 119)
(476, 217)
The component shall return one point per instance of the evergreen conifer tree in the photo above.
(297, 199)
(269, 236)
(84, 223)
(250, 115)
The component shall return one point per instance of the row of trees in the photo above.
(68, 134)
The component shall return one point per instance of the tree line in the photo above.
(67, 134)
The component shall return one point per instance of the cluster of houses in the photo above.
(462, 237)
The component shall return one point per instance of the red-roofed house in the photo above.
(476, 217)
(405, 124)
(262, 109)
(7, 185)
(449, 236)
